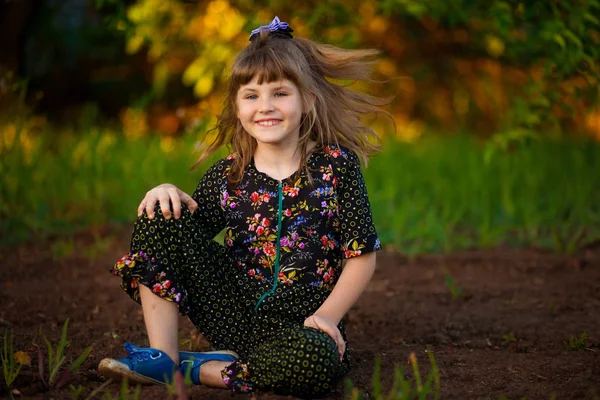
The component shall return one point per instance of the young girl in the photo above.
(294, 206)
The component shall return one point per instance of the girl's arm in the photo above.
(351, 284)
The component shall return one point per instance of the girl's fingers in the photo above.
(189, 202)
(141, 207)
(341, 344)
(162, 199)
(150, 201)
(165, 204)
(163, 194)
(175, 203)
(332, 331)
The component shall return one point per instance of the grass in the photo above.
(402, 388)
(57, 372)
(456, 292)
(576, 343)
(508, 339)
(125, 393)
(441, 194)
(10, 367)
(438, 194)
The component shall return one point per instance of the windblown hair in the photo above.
(334, 111)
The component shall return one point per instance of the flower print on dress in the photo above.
(326, 273)
(228, 238)
(227, 201)
(325, 191)
(262, 244)
(315, 207)
(293, 213)
(293, 190)
(235, 376)
(352, 249)
(334, 151)
(329, 208)
(129, 261)
(163, 288)
(327, 172)
(261, 196)
(328, 242)
(377, 245)
(137, 268)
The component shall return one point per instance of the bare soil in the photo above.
(506, 335)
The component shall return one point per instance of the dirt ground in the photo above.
(505, 336)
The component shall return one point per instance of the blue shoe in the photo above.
(142, 365)
(190, 362)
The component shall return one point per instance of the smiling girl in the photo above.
(299, 244)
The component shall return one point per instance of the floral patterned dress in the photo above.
(282, 255)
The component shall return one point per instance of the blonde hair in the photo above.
(334, 110)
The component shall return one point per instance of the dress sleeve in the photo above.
(357, 230)
(210, 214)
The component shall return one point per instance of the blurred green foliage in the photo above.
(434, 195)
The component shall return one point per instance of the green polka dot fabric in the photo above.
(253, 293)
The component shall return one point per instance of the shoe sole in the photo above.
(113, 369)
(217, 352)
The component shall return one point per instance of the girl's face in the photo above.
(270, 112)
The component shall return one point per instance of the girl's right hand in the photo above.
(167, 195)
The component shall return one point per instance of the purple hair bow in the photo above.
(276, 27)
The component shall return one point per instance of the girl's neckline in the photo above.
(272, 180)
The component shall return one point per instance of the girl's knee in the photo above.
(313, 361)
(318, 342)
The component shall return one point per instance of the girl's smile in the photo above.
(268, 122)
(270, 112)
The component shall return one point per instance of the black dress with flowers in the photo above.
(283, 251)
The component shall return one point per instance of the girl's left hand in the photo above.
(327, 326)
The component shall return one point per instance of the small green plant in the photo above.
(178, 388)
(10, 366)
(76, 391)
(56, 360)
(577, 343)
(455, 291)
(124, 394)
(508, 339)
(402, 388)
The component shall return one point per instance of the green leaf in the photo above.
(589, 17)
(376, 381)
(81, 359)
(559, 39)
(570, 35)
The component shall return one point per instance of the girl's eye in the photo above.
(251, 97)
(280, 94)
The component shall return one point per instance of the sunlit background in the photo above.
(495, 105)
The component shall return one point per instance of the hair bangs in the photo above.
(267, 64)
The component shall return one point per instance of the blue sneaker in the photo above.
(142, 365)
(190, 362)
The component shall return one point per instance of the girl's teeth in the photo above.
(267, 123)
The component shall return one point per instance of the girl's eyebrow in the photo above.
(255, 88)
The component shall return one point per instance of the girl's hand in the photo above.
(167, 195)
(327, 326)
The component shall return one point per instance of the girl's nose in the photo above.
(265, 105)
